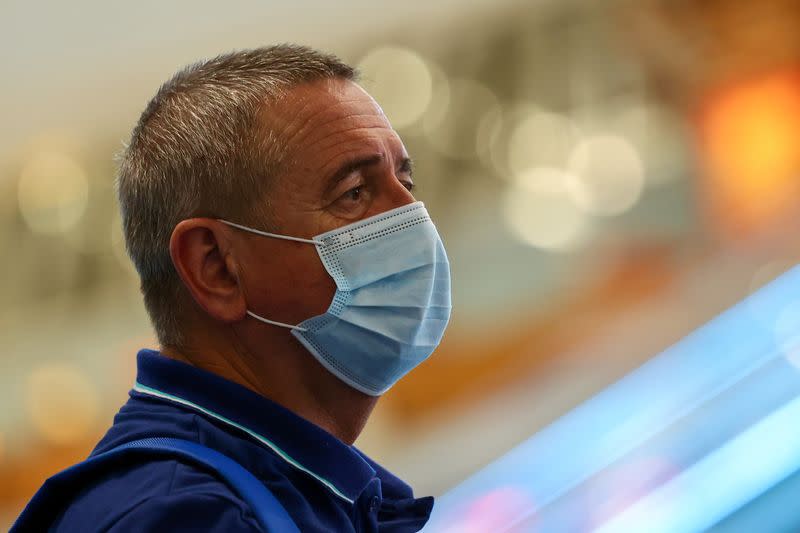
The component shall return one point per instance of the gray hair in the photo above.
(199, 149)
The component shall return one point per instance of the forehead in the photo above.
(320, 121)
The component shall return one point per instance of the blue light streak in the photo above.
(734, 364)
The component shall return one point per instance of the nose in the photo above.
(392, 193)
(398, 193)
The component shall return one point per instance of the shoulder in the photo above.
(185, 512)
(159, 495)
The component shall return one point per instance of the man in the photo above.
(291, 279)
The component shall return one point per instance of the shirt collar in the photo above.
(341, 468)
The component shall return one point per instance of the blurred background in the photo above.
(607, 176)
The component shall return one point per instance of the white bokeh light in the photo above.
(494, 133)
(400, 80)
(453, 123)
(541, 139)
(61, 402)
(53, 192)
(659, 138)
(610, 175)
(539, 210)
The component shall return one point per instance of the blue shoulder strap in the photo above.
(48, 502)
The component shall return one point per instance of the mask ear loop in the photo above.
(274, 322)
(268, 234)
(277, 236)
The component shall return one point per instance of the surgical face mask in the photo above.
(392, 300)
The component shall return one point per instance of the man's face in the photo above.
(344, 163)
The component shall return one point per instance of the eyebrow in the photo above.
(406, 165)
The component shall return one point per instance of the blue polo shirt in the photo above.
(324, 484)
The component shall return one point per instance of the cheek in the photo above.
(290, 286)
(317, 287)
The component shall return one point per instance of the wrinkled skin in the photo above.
(344, 163)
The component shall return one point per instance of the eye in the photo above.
(409, 185)
(354, 194)
(353, 199)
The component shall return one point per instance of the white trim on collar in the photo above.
(143, 389)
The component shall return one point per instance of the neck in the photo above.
(289, 375)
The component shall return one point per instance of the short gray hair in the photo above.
(199, 149)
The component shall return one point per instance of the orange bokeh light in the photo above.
(750, 140)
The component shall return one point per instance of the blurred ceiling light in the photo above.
(53, 192)
(400, 81)
(62, 403)
(494, 132)
(542, 139)
(609, 173)
(440, 101)
(750, 135)
(540, 211)
(457, 110)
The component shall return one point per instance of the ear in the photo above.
(200, 251)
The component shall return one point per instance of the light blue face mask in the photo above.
(392, 300)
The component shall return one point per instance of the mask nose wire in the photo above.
(277, 236)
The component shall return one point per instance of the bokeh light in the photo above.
(751, 129)
(53, 192)
(90, 234)
(540, 211)
(610, 174)
(450, 130)
(495, 131)
(749, 133)
(489, 136)
(400, 80)
(658, 137)
(542, 139)
(61, 401)
(580, 109)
